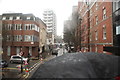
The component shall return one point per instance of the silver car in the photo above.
(18, 59)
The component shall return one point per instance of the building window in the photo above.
(11, 18)
(96, 20)
(9, 38)
(116, 6)
(96, 6)
(90, 36)
(4, 18)
(28, 38)
(117, 30)
(35, 27)
(9, 27)
(31, 27)
(104, 32)
(18, 27)
(28, 18)
(34, 19)
(96, 49)
(18, 17)
(38, 29)
(104, 13)
(17, 37)
(8, 50)
(27, 27)
(96, 35)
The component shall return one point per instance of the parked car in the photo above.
(18, 59)
(3, 64)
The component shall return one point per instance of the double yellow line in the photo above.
(11, 69)
(8, 68)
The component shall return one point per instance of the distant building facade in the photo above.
(49, 19)
(42, 35)
(20, 32)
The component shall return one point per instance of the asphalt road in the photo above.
(79, 65)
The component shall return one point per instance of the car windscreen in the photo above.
(16, 57)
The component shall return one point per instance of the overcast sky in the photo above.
(62, 8)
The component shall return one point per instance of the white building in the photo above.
(49, 19)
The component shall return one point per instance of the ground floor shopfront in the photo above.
(27, 49)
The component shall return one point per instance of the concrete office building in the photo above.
(49, 19)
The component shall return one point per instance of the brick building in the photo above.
(20, 32)
(115, 49)
(96, 25)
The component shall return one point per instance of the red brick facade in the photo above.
(16, 46)
(96, 31)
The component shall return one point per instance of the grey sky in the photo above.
(62, 8)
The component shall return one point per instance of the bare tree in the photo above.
(70, 29)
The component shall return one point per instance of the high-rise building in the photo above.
(49, 19)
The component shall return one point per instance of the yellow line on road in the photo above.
(12, 68)
(8, 68)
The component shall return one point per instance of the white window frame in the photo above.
(9, 26)
(19, 37)
(4, 18)
(11, 18)
(104, 13)
(96, 18)
(104, 32)
(96, 6)
(96, 35)
(117, 30)
(28, 38)
(28, 18)
(18, 17)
